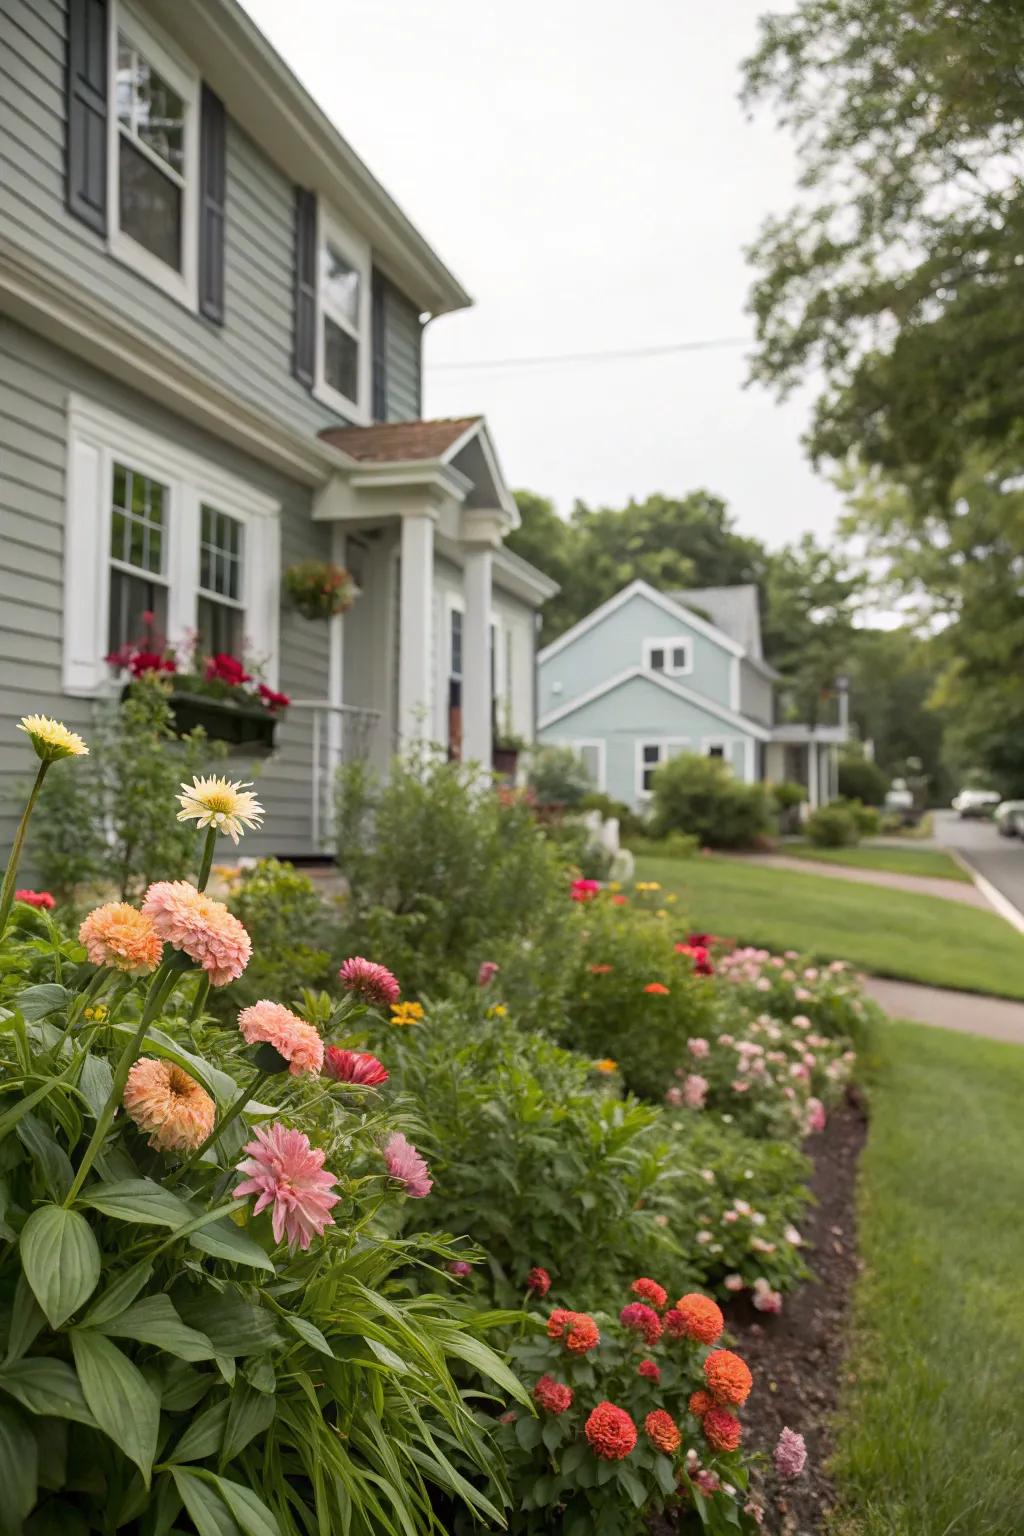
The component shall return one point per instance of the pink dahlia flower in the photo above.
(287, 1174)
(695, 1090)
(354, 1067)
(487, 972)
(200, 927)
(790, 1454)
(266, 1023)
(372, 982)
(698, 1047)
(405, 1164)
(584, 890)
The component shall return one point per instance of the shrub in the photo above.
(213, 1373)
(784, 986)
(630, 824)
(289, 925)
(557, 776)
(832, 826)
(613, 1444)
(445, 874)
(860, 779)
(611, 1010)
(867, 817)
(787, 794)
(701, 797)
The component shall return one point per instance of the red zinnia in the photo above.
(651, 1291)
(675, 1323)
(557, 1322)
(650, 1369)
(722, 1429)
(538, 1281)
(657, 989)
(611, 1432)
(600, 970)
(619, 901)
(642, 1319)
(36, 899)
(552, 1396)
(582, 1334)
(372, 982)
(699, 956)
(354, 1067)
(728, 1377)
(663, 1431)
(702, 1317)
(584, 890)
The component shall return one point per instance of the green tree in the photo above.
(809, 598)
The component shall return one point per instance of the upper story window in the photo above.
(153, 168)
(672, 656)
(343, 349)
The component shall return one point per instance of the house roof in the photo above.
(669, 604)
(401, 442)
(735, 610)
(670, 685)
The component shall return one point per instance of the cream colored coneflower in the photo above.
(51, 739)
(222, 804)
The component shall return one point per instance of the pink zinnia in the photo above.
(285, 1172)
(487, 972)
(790, 1454)
(650, 1370)
(815, 1117)
(642, 1319)
(460, 1268)
(405, 1164)
(200, 927)
(372, 982)
(266, 1023)
(354, 1067)
(584, 890)
(698, 1046)
(36, 899)
(695, 1090)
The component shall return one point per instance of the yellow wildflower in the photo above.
(647, 885)
(51, 739)
(406, 1013)
(615, 885)
(97, 1014)
(497, 1011)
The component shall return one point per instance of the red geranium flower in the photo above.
(354, 1067)
(272, 699)
(226, 669)
(611, 1432)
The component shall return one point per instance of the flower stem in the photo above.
(160, 988)
(204, 868)
(230, 1114)
(199, 1001)
(11, 875)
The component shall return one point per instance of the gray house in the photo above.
(211, 318)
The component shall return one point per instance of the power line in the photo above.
(611, 355)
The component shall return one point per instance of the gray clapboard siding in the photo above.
(402, 368)
(35, 381)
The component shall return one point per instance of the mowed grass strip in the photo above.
(932, 862)
(930, 1437)
(893, 933)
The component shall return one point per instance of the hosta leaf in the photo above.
(27, 1320)
(210, 1514)
(61, 1260)
(222, 1240)
(19, 1462)
(141, 1200)
(122, 1403)
(48, 1387)
(118, 1295)
(251, 1513)
(36, 1002)
(250, 1413)
(204, 1436)
(235, 1327)
(154, 1321)
(95, 1083)
(47, 1153)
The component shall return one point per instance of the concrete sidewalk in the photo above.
(923, 885)
(969, 1012)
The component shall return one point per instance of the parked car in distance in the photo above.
(975, 802)
(899, 804)
(1009, 818)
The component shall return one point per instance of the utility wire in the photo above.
(592, 357)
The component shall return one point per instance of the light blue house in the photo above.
(650, 674)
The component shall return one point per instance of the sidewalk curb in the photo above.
(999, 903)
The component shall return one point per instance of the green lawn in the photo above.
(896, 861)
(893, 933)
(930, 1440)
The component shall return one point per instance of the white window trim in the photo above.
(666, 645)
(725, 742)
(578, 742)
(183, 285)
(333, 230)
(96, 438)
(664, 745)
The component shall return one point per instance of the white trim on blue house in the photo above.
(747, 727)
(643, 589)
(667, 646)
(665, 754)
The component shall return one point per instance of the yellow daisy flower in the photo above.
(497, 1011)
(51, 739)
(222, 804)
(606, 1065)
(406, 1013)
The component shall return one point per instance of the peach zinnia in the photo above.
(200, 927)
(168, 1105)
(116, 934)
(266, 1023)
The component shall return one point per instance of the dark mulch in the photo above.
(797, 1357)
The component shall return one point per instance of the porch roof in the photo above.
(397, 442)
(795, 734)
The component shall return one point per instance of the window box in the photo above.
(247, 729)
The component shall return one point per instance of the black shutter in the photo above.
(304, 360)
(379, 347)
(86, 90)
(212, 191)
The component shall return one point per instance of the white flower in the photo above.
(222, 804)
(51, 739)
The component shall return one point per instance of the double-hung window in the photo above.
(343, 331)
(221, 606)
(138, 580)
(671, 656)
(153, 163)
(652, 754)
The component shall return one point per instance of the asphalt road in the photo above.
(999, 859)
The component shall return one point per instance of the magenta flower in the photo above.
(285, 1172)
(405, 1164)
(487, 972)
(790, 1454)
(460, 1268)
(372, 982)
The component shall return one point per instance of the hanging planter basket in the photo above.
(319, 590)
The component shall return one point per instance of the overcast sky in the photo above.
(585, 168)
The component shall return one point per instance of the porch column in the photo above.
(415, 626)
(812, 774)
(476, 656)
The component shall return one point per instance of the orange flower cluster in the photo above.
(116, 934)
(650, 1291)
(610, 1431)
(577, 1330)
(728, 1377)
(663, 1432)
(702, 1318)
(722, 1429)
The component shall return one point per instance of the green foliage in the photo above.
(445, 874)
(557, 776)
(289, 925)
(810, 595)
(107, 815)
(702, 797)
(832, 826)
(630, 824)
(860, 779)
(787, 794)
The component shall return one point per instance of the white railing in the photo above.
(342, 733)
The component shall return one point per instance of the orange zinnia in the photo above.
(118, 935)
(728, 1377)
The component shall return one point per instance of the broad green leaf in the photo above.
(223, 1240)
(47, 1386)
(36, 1002)
(19, 1462)
(95, 1083)
(309, 1333)
(482, 1359)
(153, 1320)
(122, 1403)
(27, 1320)
(633, 1486)
(210, 1514)
(250, 1413)
(251, 1513)
(61, 1260)
(234, 1327)
(204, 1436)
(47, 1153)
(387, 1356)
(118, 1295)
(528, 1432)
(141, 1200)
(182, 1388)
